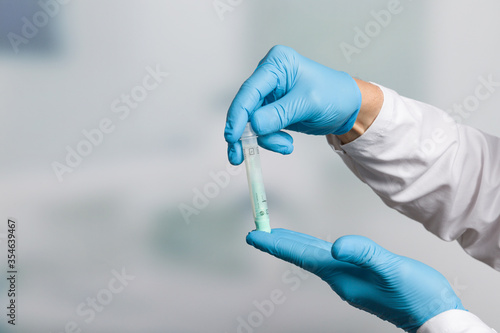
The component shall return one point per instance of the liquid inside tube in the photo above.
(255, 180)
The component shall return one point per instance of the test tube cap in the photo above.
(248, 132)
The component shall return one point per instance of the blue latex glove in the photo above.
(400, 290)
(289, 91)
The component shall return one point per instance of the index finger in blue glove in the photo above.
(248, 99)
(302, 250)
(278, 114)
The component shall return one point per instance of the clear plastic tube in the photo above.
(255, 180)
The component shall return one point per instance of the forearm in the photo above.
(372, 99)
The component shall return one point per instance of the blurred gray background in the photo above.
(122, 207)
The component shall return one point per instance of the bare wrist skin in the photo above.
(372, 99)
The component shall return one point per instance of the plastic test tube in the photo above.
(254, 177)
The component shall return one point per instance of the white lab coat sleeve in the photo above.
(455, 321)
(438, 172)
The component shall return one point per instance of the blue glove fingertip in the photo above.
(363, 252)
(260, 122)
(259, 239)
(354, 249)
(235, 153)
(250, 239)
(279, 142)
(341, 248)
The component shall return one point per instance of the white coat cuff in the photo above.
(455, 321)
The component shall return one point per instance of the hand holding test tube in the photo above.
(254, 177)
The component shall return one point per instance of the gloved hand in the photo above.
(289, 91)
(400, 290)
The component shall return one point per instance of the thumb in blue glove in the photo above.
(290, 91)
(398, 289)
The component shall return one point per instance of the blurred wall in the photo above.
(121, 238)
